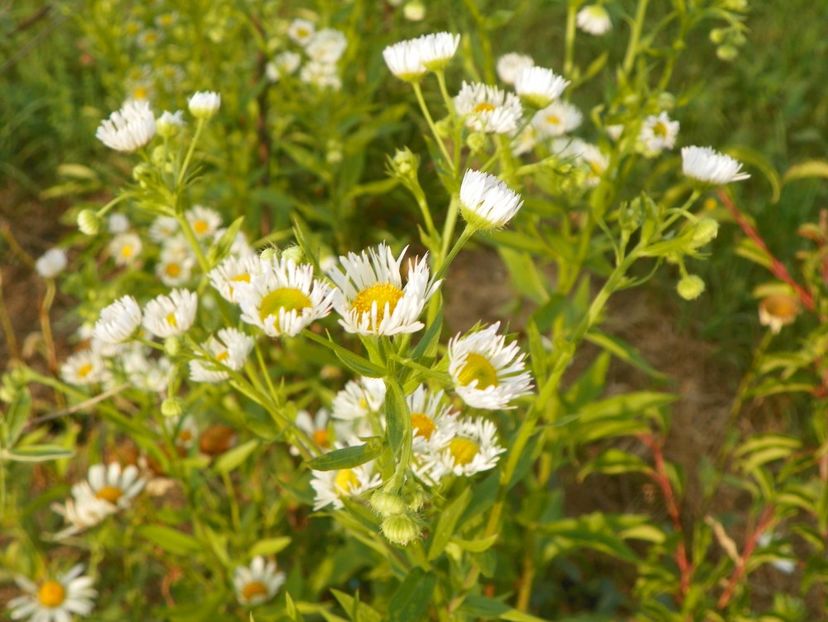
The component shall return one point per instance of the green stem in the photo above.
(635, 35)
(183, 172)
(448, 226)
(569, 53)
(418, 91)
(193, 242)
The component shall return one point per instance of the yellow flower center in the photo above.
(483, 107)
(170, 319)
(51, 594)
(595, 167)
(660, 130)
(172, 269)
(222, 356)
(781, 307)
(553, 119)
(320, 437)
(244, 277)
(380, 293)
(200, 226)
(127, 250)
(346, 481)
(478, 368)
(109, 493)
(185, 436)
(84, 370)
(254, 589)
(423, 425)
(287, 298)
(140, 92)
(463, 450)
(302, 32)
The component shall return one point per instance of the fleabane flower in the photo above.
(283, 64)
(163, 228)
(315, 426)
(204, 104)
(359, 398)
(301, 31)
(594, 19)
(487, 373)
(370, 296)
(125, 248)
(658, 132)
(129, 128)
(511, 64)
(708, 166)
(432, 423)
(282, 297)
(144, 372)
(321, 75)
(51, 263)
(557, 119)
(82, 511)
(171, 315)
(258, 582)
(118, 321)
(175, 266)
(486, 202)
(234, 271)
(488, 109)
(332, 486)
(411, 59)
(84, 368)
(112, 483)
(203, 221)
(54, 600)
(326, 46)
(539, 86)
(228, 349)
(472, 448)
(169, 123)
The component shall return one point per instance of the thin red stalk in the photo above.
(663, 481)
(751, 539)
(777, 267)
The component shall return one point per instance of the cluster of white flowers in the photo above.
(319, 50)
(411, 59)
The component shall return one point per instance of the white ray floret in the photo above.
(171, 315)
(594, 19)
(359, 398)
(82, 511)
(112, 483)
(203, 221)
(83, 368)
(257, 583)
(331, 486)
(487, 373)
(144, 372)
(118, 321)
(163, 228)
(488, 109)
(129, 128)
(204, 104)
(234, 271)
(228, 349)
(557, 118)
(413, 58)
(708, 166)
(54, 600)
(658, 132)
(472, 448)
(326, 46)
(370, 296)
(125, 248)
(51, 263)
(539, 86)
(301, 31)
(486, 202)
(283, 64)
(511, 64)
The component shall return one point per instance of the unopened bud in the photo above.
(88, 222)
(405, 163)
(705, 231)
(414, 11)
(476, 142)
(171, 407)
(386, 504)
(269, 254)
(294, 253)
(690, 287)
(400, 529)
(172, 346)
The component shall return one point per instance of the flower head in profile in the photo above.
(169, 123)
(118, 321)
(258, 582)
(488, 109)
(594, 19)
(326, 46)
(370, 296)
(539, 86)
(708, 166)
(471, 447)
(486, 202)
(778, 310)
(54, 600)
(204, 104)
(282, 297)
(359, 398)
(171, 315)
(658, 132)
(129, 128)
(413, 58)
(487, 373)
(557, 119)
(51, 263)
(227, 350)
(82, 511)
(332, 486)
(511, 64)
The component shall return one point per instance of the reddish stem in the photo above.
(751, 539)
(661, 478)
(777, 267)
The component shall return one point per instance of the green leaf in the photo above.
(411, 600)
(347, 457)
(397, 418)
(270, 546)
(615, 462)
(36, 453)
(481, 607)
(804, 170)
(233, 458)
(623, 352)
(428, 343)
(15, 417)
(447, 522)
(171, 540)
(476, 546)
(357, 611)
(525, 275)
(358, 364)
(221, 249)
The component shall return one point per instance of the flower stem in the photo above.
(421, 100)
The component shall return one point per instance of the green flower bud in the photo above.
(690, 287)
(717, 35)
(88, 222)
(443, 127)
(400, 529)
(477, 142)
(416, 500)
(386, 504)
(414, 11)
(172, 346)
(142, 173)
(705, 231)
(171, 407)
(405, 163)
(727, 53)
(294, 253)
(269, 254)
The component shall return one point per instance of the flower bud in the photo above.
(416, 500)
(690, 287)
(477, 142)
(704, 232)
(294, 253)
(142, 173)
(400, 529)
(443, 127)
(88, 222)
(405, 163)
(414, 11)
(269, 254)
(386, 504)
(727, 53)
(171, 407)
(172, 346)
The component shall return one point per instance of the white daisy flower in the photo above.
(557, 119)
(129, 128)
(54, 600)
(301, 31)
(232, 272)
(125, 248)
(169, 123)
(228, 349)
(594, 19)
(472, 448)
(370, 296)
(118, 321)
(708, 166)
(144, 372)
(316, 426)
(326, 46)
(171, 315)
(282, 297)
(585, 153)
(84, 367)
(486, 202)
(331, 486)
(204, 104)
(412, 58)
(203, 221)
(284, 64)
(258, 582)
(539, 86)
(117, 223)
(163, 228)
(525, 141)
(322, 75)
(486, 372)
(432, 423)
(511, 64)
(488, 108)
(82, 511)
(359, 398)
(112, 483)
(51, 263)
(172, 268)
(183, 429)
(658, 133)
